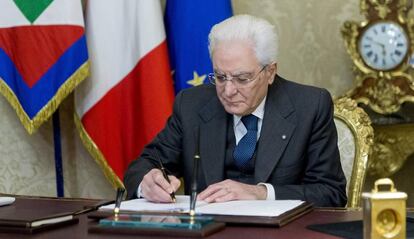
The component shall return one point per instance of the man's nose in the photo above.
(229, 88)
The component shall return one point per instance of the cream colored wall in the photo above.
(311, 52)
(311, 47)
(27, 162)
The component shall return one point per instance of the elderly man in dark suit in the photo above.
(261, 137)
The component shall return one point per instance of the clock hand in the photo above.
(381, 45)
(378, 43)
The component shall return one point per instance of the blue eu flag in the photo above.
(188, 23)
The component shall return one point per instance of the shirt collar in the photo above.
(258, 112)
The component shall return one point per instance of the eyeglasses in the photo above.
(239, 81)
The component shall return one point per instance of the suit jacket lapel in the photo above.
(276, 131)
(213, 130)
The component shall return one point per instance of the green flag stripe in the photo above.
(32, 9)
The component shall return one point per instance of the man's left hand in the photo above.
(229, 190)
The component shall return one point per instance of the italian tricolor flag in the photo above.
(43, 55)
(129, 95)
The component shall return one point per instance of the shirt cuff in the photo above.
(270, 191)
(139, 192)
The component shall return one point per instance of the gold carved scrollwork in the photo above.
(384, 94)
(350, 31)
(386, 9)
(382, 91)
(392, 146)
(359, 123)
(387, 94)
(382, 7)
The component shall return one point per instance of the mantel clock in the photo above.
(380, 48)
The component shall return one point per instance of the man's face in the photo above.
(237, 59)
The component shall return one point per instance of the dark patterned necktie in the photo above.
(244, 151)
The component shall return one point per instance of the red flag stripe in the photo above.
(133, 111)
(34, 49)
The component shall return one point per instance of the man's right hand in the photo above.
(155, 187)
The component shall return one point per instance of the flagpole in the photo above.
(58, 154)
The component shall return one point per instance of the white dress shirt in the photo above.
(240, 130)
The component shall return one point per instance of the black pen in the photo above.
(118, 200)
(193, 197)
(158, 158)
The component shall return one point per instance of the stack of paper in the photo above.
(271, 208)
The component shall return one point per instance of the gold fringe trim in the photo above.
(97, 154)
(47, 110)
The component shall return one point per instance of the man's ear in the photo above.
(272, 71)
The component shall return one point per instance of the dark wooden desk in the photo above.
(295, 229)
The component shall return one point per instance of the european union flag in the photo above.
(188, 23)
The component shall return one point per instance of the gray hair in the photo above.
(246, 27)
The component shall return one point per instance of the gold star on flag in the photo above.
(197, 80)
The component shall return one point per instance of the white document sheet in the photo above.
(182, 205)
(236, 208)
(264, 208)
(6, 200)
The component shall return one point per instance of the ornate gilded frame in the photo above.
(347, 111)
(383, 91)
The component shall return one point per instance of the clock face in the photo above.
(387, 223)
(383, 46)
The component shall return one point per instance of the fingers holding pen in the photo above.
(175, 182)
(156, 188)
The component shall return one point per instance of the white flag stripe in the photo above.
(66, 12)
(62, 12)
(119, 34)
(11, 15)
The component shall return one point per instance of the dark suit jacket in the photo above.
(297, 152)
